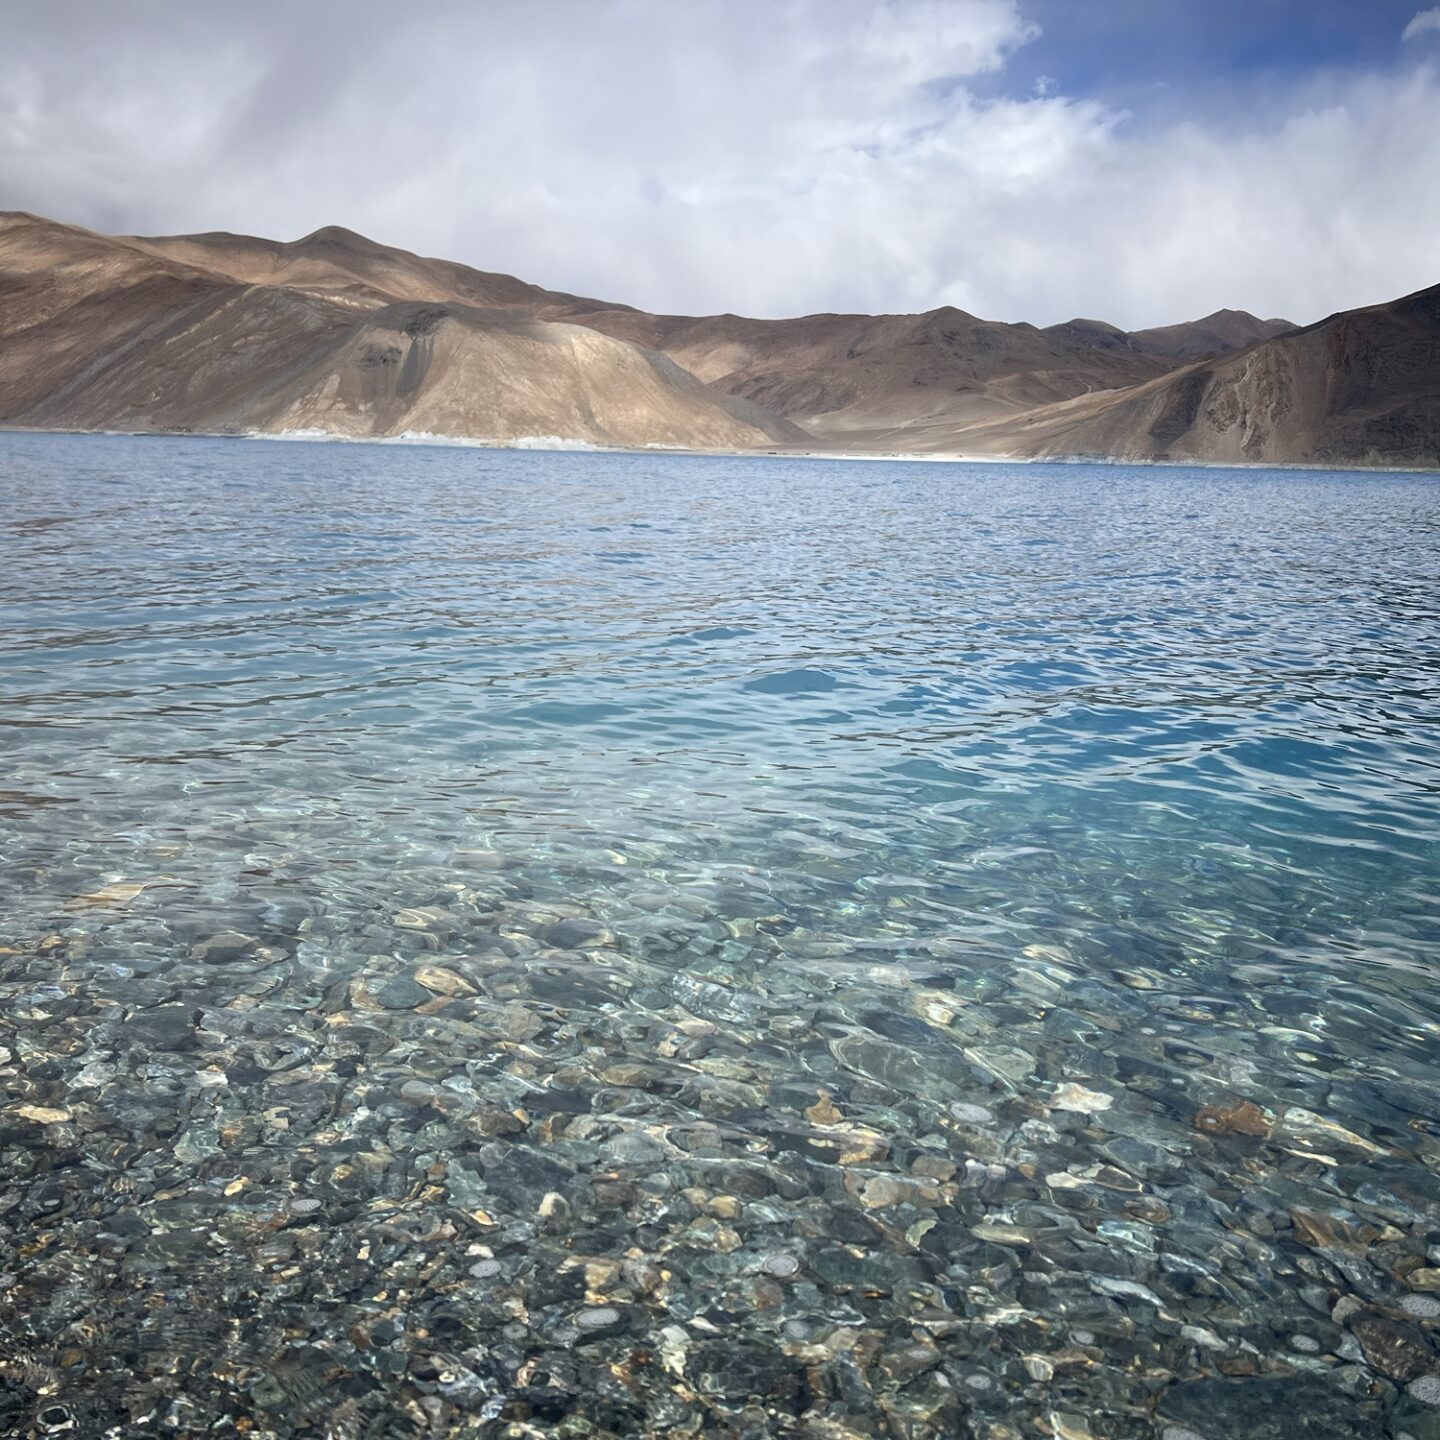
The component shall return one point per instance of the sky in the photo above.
(1138, 161)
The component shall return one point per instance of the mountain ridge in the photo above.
(1360, 387)
(100, 333)
(341, 333)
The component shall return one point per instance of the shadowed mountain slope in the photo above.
(1360, 388)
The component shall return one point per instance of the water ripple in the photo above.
(931, 786)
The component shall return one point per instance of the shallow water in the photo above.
(648, 944)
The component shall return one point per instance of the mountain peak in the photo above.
(1213, 334)
(335, 236)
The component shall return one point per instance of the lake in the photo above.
(624, 944)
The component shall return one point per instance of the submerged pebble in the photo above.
(1426, 1389)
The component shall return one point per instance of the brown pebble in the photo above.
(1321, 1232)
(824, 1111)
(1243, 1118)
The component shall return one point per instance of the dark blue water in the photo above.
(1068, 835)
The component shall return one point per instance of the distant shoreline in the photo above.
(562, 445)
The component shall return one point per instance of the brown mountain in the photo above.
(847, 377)
(1216, 334)
(343, 266)
(102, 333)
(858, 379)
(1361, 388)
(228, 333)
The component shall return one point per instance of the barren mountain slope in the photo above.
(351, 268)
(841, 375)
(1216, 334)
(100, 334)
(831, 373)
(451, 370)
(97, 335)
(1362, 387)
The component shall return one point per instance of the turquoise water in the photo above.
(901, 905)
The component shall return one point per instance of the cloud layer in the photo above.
(773, 158)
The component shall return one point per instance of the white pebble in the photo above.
(1426, 1390)
(971, 1114)
(1078, 1098)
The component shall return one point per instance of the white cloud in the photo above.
(773, 159)
(1425, 20)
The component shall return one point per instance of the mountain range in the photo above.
(234, 334)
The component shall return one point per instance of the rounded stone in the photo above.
(971, 1114)
(221, 948)
(1426, 1390)
(634, 1149)
(576, 935)
(400, 992)
(267, 1393)
(417, 1092)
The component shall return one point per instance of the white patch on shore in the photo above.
(428, 437)
(547, 442)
